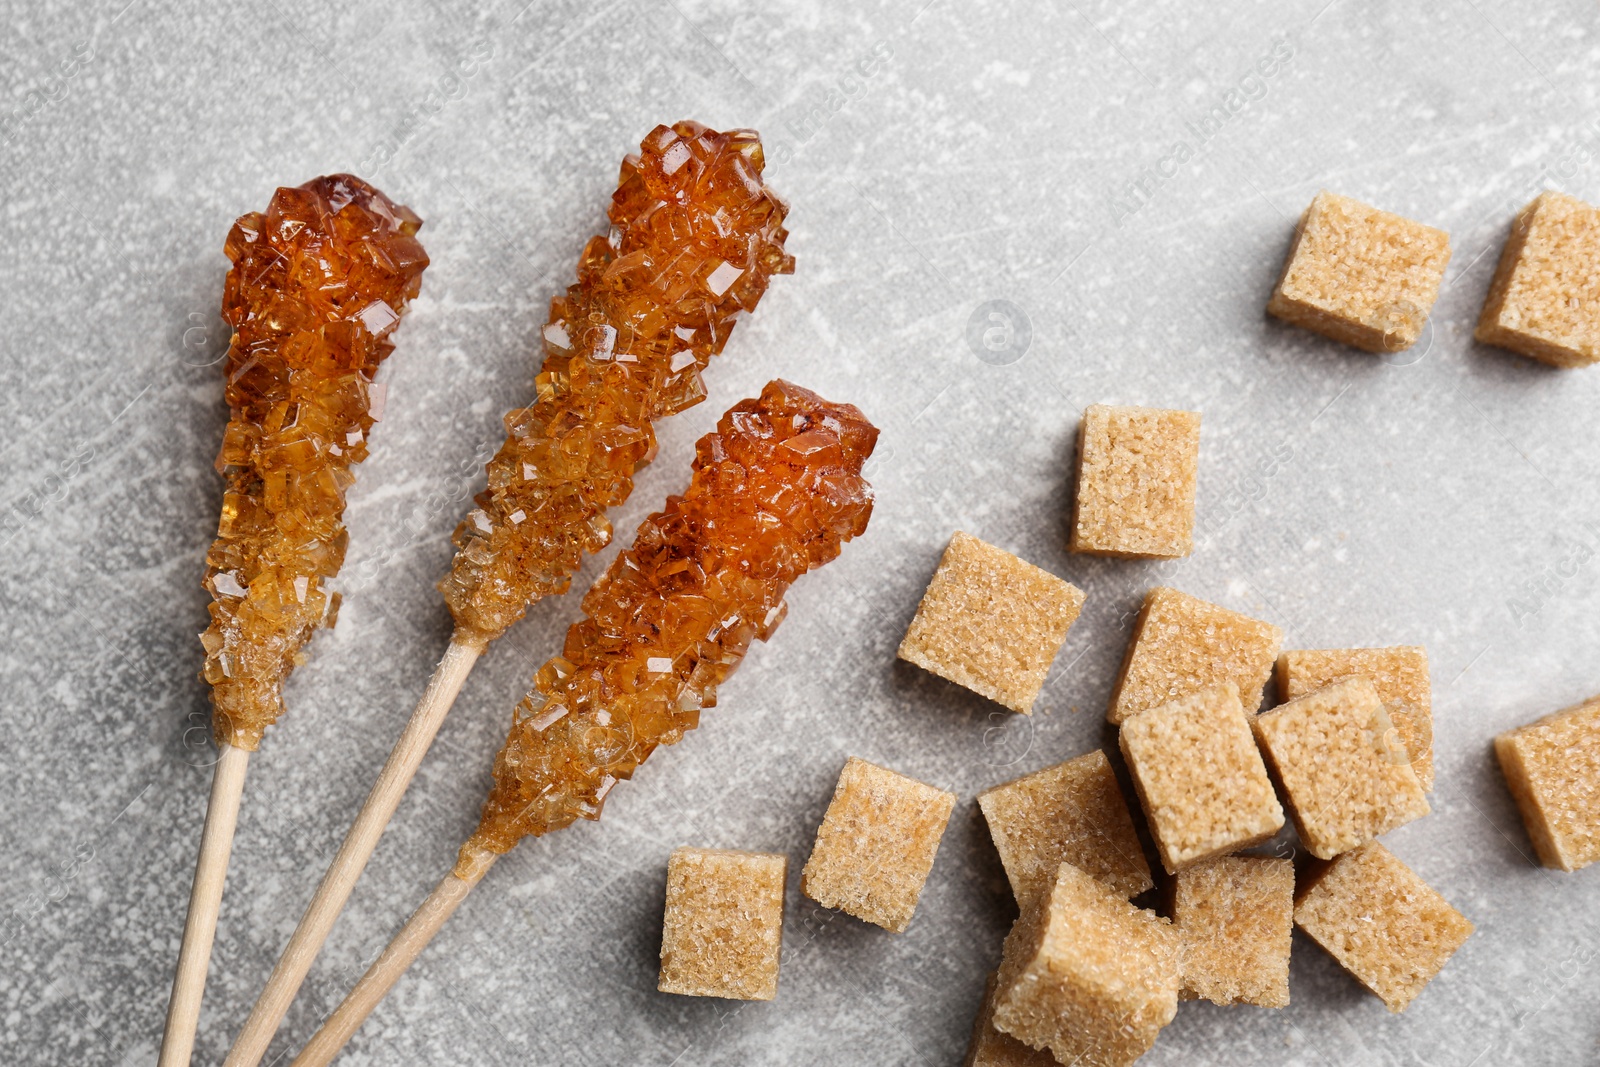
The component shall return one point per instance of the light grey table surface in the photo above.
(992, 152)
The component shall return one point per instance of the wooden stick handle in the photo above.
(205, 900)
(334, 889)
(382, 975)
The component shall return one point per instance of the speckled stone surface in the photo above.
(995, 226)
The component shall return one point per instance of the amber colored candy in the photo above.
(776, 492)
(695, 235)
(317, 285)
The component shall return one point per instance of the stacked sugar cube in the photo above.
(1208, 772)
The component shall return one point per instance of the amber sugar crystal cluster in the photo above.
(695, 235)
(317, 285)
(776, 492)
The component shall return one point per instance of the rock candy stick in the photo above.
(695, 237)
(776, 492)
(317, 285)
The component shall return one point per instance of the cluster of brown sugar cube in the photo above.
(1087, 975)
(1199, 764)
(1347, 754)
(1369, 278)
(1212, 778)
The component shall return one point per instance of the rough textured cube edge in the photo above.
(1491, 330)
(989, 1047)
(756, 976)
(1119, 861)
(929, 644)
(1126, 701)
(1413, 712)
(1342, 328)
(841, 874)
(1179, 539)
(1551, 847)
(1144, 750)
(1145, 952)
(1271, 887)
(1378, 870)
(1409, 804)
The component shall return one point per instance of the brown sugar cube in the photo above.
(990, 1048)
(1235, 920)
(1553, 769)
(1087, 975)
(876, 844)
(1359, 275)
(1384, 925)
(1073, 813)
(724, 924)
(1200, 777)
(1136, 483)
(1544, 301)
(1400, 675)
(1345, 774)
(991, 622)
(1182, 644)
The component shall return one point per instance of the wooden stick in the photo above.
(336, 885)
(205, 900)
(382, 975)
